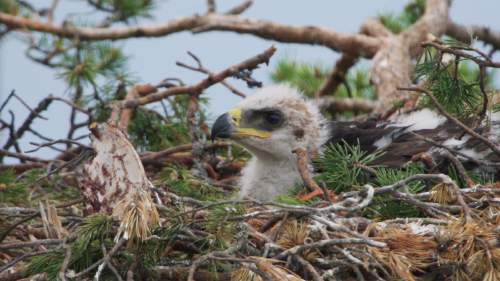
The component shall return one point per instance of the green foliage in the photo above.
(341, 170)
(303, 76)
(32, 187)
(340, 166)
(288, 199)
(454, 84)
(92, 60)
(496, 107)
(150, 130)
(95, 227)
(180, 181)
(387, 176)
(166, 233)
(85, 250)
(125, 10)
(411, 13)
(384, 206)
(49, 263)
(9, 7)
(308, 78)
(222, 229)
(10, 191)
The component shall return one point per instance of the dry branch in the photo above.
(336, 105)
(392, 64)
(337, 75)
(334, 242)
(196, 89)
(363, 45)
(468, 33)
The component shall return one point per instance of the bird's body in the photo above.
(277, 120)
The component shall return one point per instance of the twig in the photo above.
(302, 163)
(461, 53)
(468, 33)
(337, 75)
(307, 265)
(150, 156)
(210, 6)
(113, 250)
(22, 156)
(65, 263)
(107, 262)
(34, 215)
(51, 143)
(198, 262)
(121, 116)
(250, 63)
(477, 161)
(30, 244)
(22, 257)
(236, 10)
(42, 106)
(202, 69)
(460, 169)
(14, 95)
(322, 244)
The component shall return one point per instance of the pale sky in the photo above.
(153, 59)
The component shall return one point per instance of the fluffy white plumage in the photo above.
(273, 170)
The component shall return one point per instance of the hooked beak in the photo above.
(228, 126)
(222, 127)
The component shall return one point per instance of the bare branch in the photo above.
(42, 106)
(468, 33)
(392, 64)
(336, 105)
(210, 6)
(250, 63)
(363, 45)
(237, 10)
(202, 69)
(337, 75)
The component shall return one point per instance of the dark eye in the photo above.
(273, 118)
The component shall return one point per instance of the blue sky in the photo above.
(152, 60)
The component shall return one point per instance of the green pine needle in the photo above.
(386, 207)
(411, 13)
(338, 165)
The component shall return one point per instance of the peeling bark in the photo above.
(115, 182)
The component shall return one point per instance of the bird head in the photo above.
(272, 122)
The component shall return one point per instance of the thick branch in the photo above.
(121, 117)
(392, 64)
(364, 45)
(338, 105)
(468, 33)
(337, 75)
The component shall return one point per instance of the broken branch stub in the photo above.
(115, 182)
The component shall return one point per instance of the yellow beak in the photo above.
(239, 132)
(229, 126)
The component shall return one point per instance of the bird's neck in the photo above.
(265, 178)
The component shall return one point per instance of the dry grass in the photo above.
(406, 253)
(442, 194)
(137, 214)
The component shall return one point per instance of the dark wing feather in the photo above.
(403, 143)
